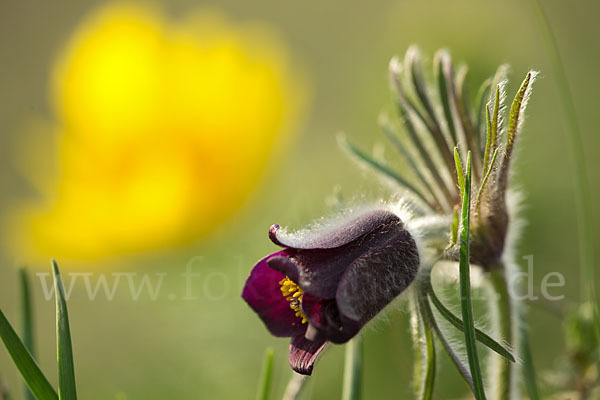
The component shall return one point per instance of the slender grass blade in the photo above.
(266, 374)
(30, 371)
(27, 318)
(66, 369)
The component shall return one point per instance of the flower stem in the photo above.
(501, 370)
(424, 365)
(294, 387)
(353, 370)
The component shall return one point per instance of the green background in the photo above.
(212, 348)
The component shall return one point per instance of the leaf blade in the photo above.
(27, 366)
(27, 318)
(482, 337)
(266, 374)
(66, 370)
(465, 288)
(361, 157)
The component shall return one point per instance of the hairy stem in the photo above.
(502, 312)
(424, 366)
(351, 389)
(294, 387)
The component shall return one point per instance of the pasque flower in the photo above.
(329, 281)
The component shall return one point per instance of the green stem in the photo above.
(353, 370)
(424, 350)
(465, 287)
(295, 387)
(264, 386)
(501, 369)
(582, 196)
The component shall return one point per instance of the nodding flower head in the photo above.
(328, 282)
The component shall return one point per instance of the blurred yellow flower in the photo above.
(163, 129)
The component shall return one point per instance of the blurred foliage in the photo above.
(162, 129)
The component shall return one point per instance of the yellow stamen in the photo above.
(287, 288)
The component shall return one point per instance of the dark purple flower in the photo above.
(328, 282)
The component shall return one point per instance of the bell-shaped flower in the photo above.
(329, 281)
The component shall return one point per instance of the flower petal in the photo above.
(262, 293)
(285, 265)
(304, 353)
(336, 232)
(319, 271)
(316, 271)
(378, 276)
(324, 316)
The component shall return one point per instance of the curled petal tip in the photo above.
(285, 265)
(273, 235)
(304, 353)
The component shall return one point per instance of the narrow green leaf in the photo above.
(409, 114)
(498, 98)
(488, 138)
(481, 106)
(466, 119)
(30, 371)
(459, 172)
(453, 228)
(66, 369)
(428, 315)
(498, 78)
(485, 180)
(528, 367)
(441, 63)
(264, 386)
(393, 137)
(465, 288)
(415, 70)
(27, 319)
(425, 156)
(517, 108)
(515, 121)
(481, 336)
(352, 386)
(377, 166)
